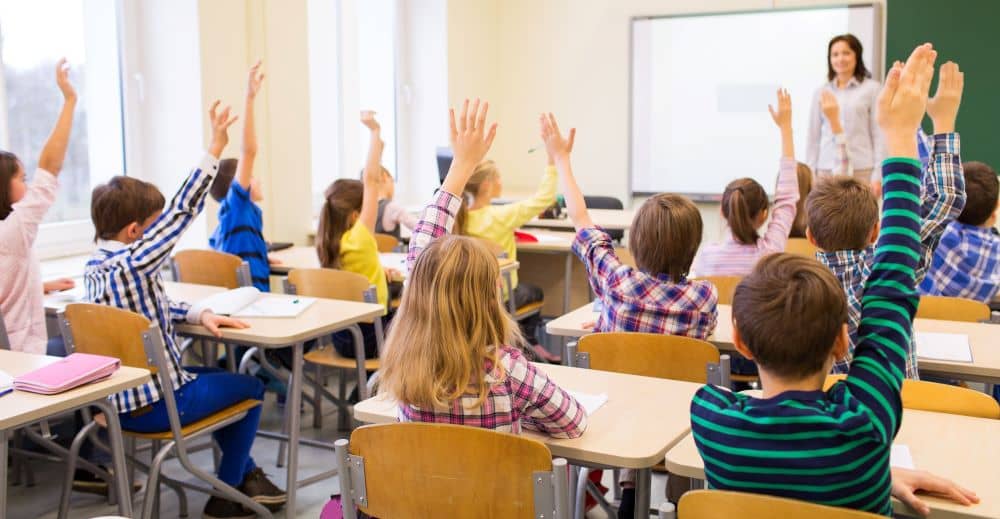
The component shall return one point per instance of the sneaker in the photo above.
(256, 486)
(85, 481)
(218, 508)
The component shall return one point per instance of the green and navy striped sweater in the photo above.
(830, 447)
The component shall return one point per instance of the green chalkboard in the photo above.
(968, 33)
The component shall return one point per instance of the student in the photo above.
(843, 212)
(390, 214)
(798, 441)
(22, 207)
(135, 236)
(240, 229)
(966, 262)
(345, 239)
(745, 208)
(452, 355)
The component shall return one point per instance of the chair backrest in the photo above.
(941, 398)
(208, 267)
(726, 286)
(801, 246)
(625, 256)
(106, 330)
(386, 242)
(952, 309)
(649, 354)
(451, 470)
(329, 284)
(605, 202)
(710, 504)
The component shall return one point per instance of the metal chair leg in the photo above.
(74, 453)
(318, 399)
(283, 443)
(151, 501)
(342, 423)
(581, 493)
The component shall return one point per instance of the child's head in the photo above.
(842, 214)
(665, 235)
(449, 323)
(982, 190)
(123, 208)
(340, 211)
(12, 183)
(224, 179)
(744, 206)
(805, 185)
(790, 315)
(484, 183)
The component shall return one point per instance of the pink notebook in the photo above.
(65, 374)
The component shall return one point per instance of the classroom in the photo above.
(683, 259)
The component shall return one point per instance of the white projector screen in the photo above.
(701, 85)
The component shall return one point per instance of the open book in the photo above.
(6, 383)
(250, 302)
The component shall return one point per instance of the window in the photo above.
(34, 35)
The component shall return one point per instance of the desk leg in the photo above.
(643, 482)
(122, 486)
(3, 473)
(567, 281)
(359, 357)
(294, 415)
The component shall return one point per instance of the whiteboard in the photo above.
(701, 85)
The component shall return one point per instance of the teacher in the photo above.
(855, 92)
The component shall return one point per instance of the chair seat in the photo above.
(528, 309)
(189, 429)
(330, 358)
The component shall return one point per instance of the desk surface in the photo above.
(302, 257)
(959, 448)
(610, 219)
(18, 408)
(642, 419)
(983, 339)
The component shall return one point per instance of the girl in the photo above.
(452, 353)
(22, 208)
(745, 208)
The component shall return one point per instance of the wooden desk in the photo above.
(642, 419)
(959, 448)
(21, 408)
(305, 258)
(609, 219)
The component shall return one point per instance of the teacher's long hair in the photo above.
(852, 41)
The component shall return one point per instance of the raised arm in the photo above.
(249, 150)
(373, 171)
(54, 151)
(519, 213)
(559, 150)
(787, 193)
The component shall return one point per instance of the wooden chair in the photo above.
(726, 285)
(941, 398)
(346, 286)
(209, 267)
(802, 247)
(710, 504)
(449, 471)
(952, 309)
(104, 330)
(386, 242)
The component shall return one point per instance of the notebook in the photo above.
(250, 302)
(67, 373)
(589, 402)
(943, 346)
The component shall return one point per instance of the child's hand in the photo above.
(368, 119)
(271, 260)
(557, 146)
(62, 80)
(255, 80)
(943, 107)
(392, 274)
(470, 140)
(783, 115)
(221, 121)
(903, 99)
(58, 285)
(213, 322)
(831, 109)
(906, 483)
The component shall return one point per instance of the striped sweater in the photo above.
(830, 447)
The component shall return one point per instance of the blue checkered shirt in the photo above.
(966, 264)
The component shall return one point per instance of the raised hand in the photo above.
(783, 115)
(62, 80)
(943, 107)
(470, 141)
(221, 121)
(255, 80)
(831, 109)
(903, 99)
(368, 119)
(557, 146)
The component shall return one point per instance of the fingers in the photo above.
(890, 88)
(555, 125)
(463, 117)
(914, 502)
(211, 111)
(213, 327)
(491, 135)
(236, 323)
(774, 114)
(572, 138)
(471, 122)
(481, 117)
(451, 122)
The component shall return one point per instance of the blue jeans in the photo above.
(212, 391)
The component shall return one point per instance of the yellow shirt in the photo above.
(359, 254)
(498, 222)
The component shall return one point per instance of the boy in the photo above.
(134, 239)
(967, 261)
(798, 441)
(843, 213)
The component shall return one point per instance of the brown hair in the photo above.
(223, 179)
(805, 185)
(343, 197)
(486, 170)
(120, 202)
(788, 312)
(665, 235)
(742, 201)
(842, 213)
(982, 189)
(852, 41)
(9, 166)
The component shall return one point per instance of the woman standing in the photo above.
(855, 91)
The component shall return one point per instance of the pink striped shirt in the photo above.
(732, 258)
(21, 294)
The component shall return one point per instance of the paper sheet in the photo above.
(276, 307)
(6, 383)
(900, 457)
(393, 260)
(589, 402)
(944, 346)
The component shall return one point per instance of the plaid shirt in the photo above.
(520, 394)
(943, 200)
(127, 276)
(636, 301)
(966, 264)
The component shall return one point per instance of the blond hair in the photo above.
(449, 326)
(486, 170)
